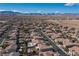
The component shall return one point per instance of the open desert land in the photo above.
(69, 23)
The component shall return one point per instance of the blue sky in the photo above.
(40, 7)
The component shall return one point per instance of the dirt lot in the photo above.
(69, 23)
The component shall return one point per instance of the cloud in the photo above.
(20, 11)
(69, 4)
(60, 12)
(2, 10)
(57, 12)
(15, 10)
(39, 11)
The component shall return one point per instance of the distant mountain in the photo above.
(39, 13)
(74, 14)
(18, 13)
(9, 13)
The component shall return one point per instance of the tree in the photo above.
(66, 49)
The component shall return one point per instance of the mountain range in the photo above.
(19, 13)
